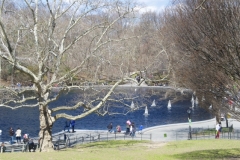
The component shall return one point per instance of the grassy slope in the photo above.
(121, 150)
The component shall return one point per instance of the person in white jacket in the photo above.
(218, 130)
(18, 135)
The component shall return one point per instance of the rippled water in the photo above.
(28, 118)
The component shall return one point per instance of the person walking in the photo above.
(109, 127)
(18, 135)
(218, 130)
(11, 134)
(130, 129)
(72, 125)
(133, 130)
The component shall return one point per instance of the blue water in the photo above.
(28, 118)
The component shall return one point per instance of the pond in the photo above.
(28, 118)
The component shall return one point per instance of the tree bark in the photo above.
(45, 133)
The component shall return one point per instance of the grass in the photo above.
(211, 154)
(140, 150)
(112, 144)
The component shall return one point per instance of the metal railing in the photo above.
(68, 140)
(65, 140)
(209, 135)
(196, 134)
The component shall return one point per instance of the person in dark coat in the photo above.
(11, 134)
(31, 145)
(72, 125)
(138, 79)
(25, 138)
(67, 125)
(109, 127)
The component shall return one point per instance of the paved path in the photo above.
(161, 133)
(169, 132)
(180, 131)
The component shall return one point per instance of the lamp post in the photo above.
(0, 135)
(189, 111)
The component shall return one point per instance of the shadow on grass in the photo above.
(211, 154)
(110, 144)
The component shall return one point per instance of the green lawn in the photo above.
(139, 150)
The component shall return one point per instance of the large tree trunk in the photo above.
(45, 133)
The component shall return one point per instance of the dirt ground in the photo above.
(154, 145)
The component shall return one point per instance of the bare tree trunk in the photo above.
(45, 133)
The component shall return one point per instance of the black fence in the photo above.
(68, 140)
(210, 133)
(65, 140)
(197, 133)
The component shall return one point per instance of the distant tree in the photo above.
(205, 50)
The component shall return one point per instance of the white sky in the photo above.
(155, 5)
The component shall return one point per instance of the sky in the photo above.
(155, 5)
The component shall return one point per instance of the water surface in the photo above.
(28, 118)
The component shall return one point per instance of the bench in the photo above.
(57, 144)
(15, 148)
(18, 148)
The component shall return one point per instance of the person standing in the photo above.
(67, 125)
(140, 129)
(118, 129)
(128, 123)
(18, 135)
(72, 125)
(109, 127)
(138, 79)
(11, 134)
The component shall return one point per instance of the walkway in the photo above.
(172, 132)
(161, 133)
(169, 132)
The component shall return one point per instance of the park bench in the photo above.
(15, 148)
(59, 144)
(18, 148)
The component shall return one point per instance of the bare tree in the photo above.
(205, 50)
(46, 33)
